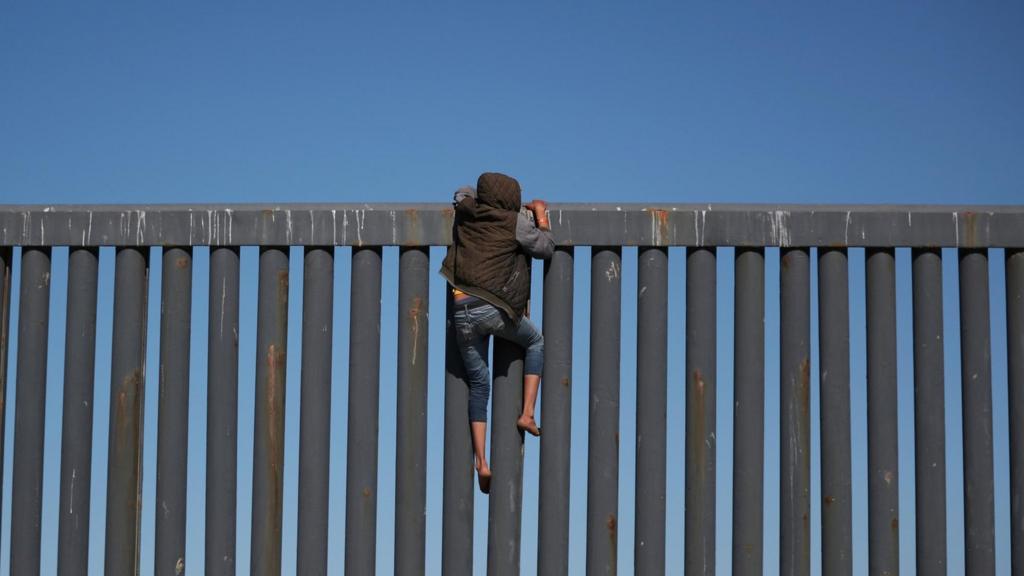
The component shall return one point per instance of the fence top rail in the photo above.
(387, 224)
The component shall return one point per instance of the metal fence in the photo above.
(829, 230)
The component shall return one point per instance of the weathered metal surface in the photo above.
(76, 428)
(573, 224)
(457, 497)
(30, 412)
(127, 401)
(1015, 360)
(505, 505)
(748, 414)
(929, 413)
(414, 227)
(603, 435)
(172, 419)
(701, 401)
(6, 265)
(411, 435)
(556, 417)
(795, 383)
(834, 379)
(363, 401)
(222, 412)
(976, 390)
(651, 413)
(315, 409)
(268, 438)
(883, 428)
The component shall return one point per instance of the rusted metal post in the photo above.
(505, 505)
(30, 413)
(6, 264)
(556, 402)
(834, 376)
(651, 400)
(76, 428)
(268, 439)
(172, 436)
(701, 396)
(748, 414)
(127, 399)
(603, 436)
(795, 382)
(315, 409)
(222, 412)
(363, 401)
(411, 450)
(929, 413)
(457, 504)
(976, 389)
(1015, 360)
(883, 448)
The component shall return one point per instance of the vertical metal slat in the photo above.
(222, 412)
(748, 414)
(457, 504)
(556, 402)
(651, 400)
(834, 376)
(1015, 361)
(411, 449)
(363, 399)
(505, 505)
(883, 447)
(268, 439)
(76, 429)
(603, 436)
(172, 436)
(30, 413)
(701, 396)
(315, 409)
(127, 391)
(795, 382)
(929, 413)
(6, 264)
(976, 383)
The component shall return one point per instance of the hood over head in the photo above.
(499, 191)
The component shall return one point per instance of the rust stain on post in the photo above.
(971, 235)
(127, 417)
(275, 361)
(565, 381)
(613, 542)
(699, 424)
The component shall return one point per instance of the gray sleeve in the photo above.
(535, 242)
(463, 193)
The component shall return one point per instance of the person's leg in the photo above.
(473, 348)
(478, 431)
(529, 337)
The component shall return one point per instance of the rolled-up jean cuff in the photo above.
(533, 364)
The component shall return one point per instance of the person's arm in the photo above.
(536, 242)
(465, 199)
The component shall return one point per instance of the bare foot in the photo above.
(528, 424)
(483, 475)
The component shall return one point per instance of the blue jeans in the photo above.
(472, 328)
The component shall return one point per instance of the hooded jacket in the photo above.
(485, 258)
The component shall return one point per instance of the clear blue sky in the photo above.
(582, 102)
